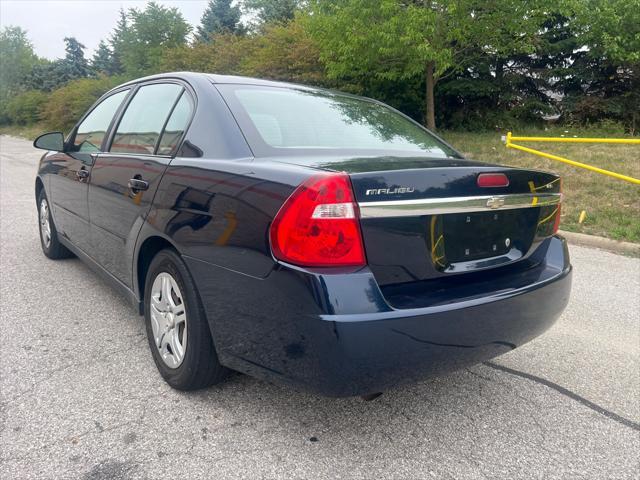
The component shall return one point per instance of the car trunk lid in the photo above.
(434, 221)
(424, 218)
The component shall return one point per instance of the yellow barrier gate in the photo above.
(510, 139)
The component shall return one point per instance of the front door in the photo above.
(72, 171)
(125, 178)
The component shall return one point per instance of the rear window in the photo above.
(276, 120)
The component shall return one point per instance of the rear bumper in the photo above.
(338, 336)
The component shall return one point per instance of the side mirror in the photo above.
(50, 141)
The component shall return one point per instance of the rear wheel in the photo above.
(177, 327)
(51, 247)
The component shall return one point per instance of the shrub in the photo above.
(280, 52)
(67, 104)
(286, 52)
(25, 108)
(226, 54)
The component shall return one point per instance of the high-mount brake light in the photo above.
(493, 180)
(318, 225)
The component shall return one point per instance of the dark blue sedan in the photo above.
(300, 235)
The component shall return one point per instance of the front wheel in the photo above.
(51, 246)
(177, 328)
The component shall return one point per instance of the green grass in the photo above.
(28, 132)
(612, 206)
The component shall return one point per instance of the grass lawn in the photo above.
(612, 206)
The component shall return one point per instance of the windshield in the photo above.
(284, 120)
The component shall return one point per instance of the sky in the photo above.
(49, 21)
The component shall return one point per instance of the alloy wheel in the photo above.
(168, 319)
(45, 223)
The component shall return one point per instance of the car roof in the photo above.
(220, 79)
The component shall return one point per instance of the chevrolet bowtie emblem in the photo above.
(495, 202)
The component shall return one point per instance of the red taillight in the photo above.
(318, 225)
(493, 180)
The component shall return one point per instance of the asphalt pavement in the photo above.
(80, 397)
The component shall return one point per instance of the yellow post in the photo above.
(583, 215)
(628, 141)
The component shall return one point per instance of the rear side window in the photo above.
(175, 126)
(142, 122)
(92, 130)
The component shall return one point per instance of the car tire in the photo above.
(177, 328)
(51, 246)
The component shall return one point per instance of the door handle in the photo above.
(82, 173)
(137, 184)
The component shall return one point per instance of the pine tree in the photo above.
(273, 11)
(74, 65)
(219, 17)
(118, 41)
(102, 61)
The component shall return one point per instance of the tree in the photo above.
(118, 42)
(25, 108)
(17, 59)
(273, 11)
(602, 79)
(225, 54)
(102, 61)
(74, 65)
(220, 16)
(401, 41)
(66, 104)
(45, 76)
(48, 75)
(499, 89)
(611, 28)
(280, 52)
(149, 33)
(286, 51)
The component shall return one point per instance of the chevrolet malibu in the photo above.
(300, 235)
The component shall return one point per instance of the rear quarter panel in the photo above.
(219, 211)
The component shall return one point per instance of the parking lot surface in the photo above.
(81, 397)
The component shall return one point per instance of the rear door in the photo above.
(69, 186)
(125, 178)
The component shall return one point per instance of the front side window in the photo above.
(142, 122)
(91, 132)
(285, 120)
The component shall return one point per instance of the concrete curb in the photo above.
(615, 246)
